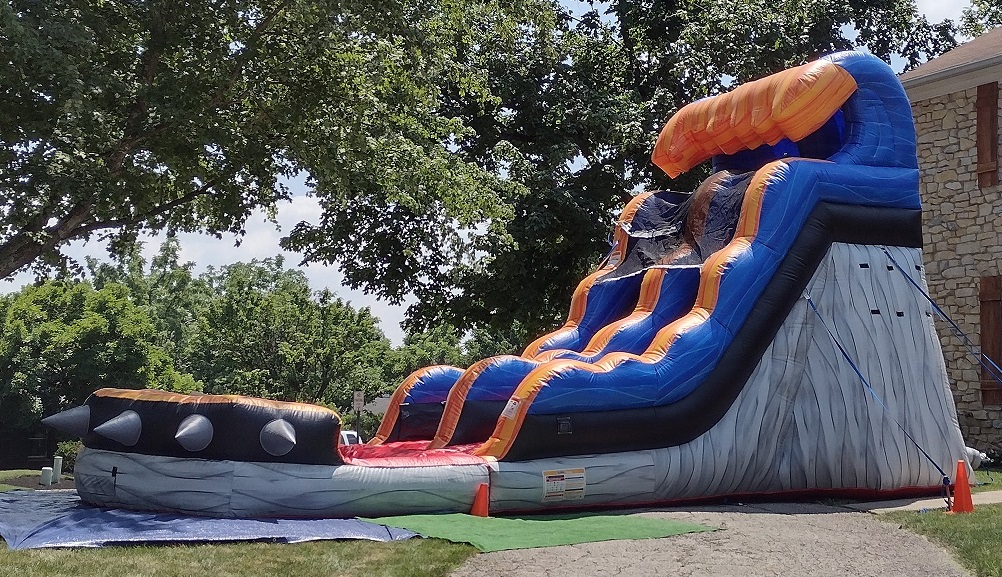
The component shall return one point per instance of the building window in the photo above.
(36, 447)
(987, 108)
(991, 338)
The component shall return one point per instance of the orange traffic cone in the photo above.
(481, 502)
(962, 502)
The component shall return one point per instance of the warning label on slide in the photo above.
(563, 485)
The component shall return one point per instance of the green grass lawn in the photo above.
(11, 474)
(975, 538)
(989, 481)
(14, 473)
(416, 557)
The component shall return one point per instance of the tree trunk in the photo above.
(26, 246)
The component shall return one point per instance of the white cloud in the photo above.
(937, 10)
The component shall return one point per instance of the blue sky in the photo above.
(262, 236)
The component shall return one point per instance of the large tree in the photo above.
(470, 153)
(577, 105)
(126, 115)
(265, 333)
(167, 290)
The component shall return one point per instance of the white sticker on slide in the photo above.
(563, 485)
(510, 409)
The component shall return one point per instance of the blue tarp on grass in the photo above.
(35, 519)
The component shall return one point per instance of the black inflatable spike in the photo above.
(278, 437)
(75, 421)
(124, 429)
(194, 433)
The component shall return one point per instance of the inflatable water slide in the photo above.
(766, 334)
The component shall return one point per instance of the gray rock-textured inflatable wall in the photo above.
(241, 489)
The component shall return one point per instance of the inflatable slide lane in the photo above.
(602, 297)
(666, 244)
(761, 336)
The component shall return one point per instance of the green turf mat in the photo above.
(501, 533)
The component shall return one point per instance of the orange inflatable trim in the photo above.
(791, 104)
(200, 399)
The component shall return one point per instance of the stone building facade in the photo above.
(956, 109)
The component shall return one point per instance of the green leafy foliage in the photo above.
(265, 333)
(249, 328)
(471, 153)
(485, 343)
(258, 329)
(568, 127)
(120, 115)
(747, 39)
(169, 292)
(60, 341)
(981, 16)
(440, 345)
(68, 450)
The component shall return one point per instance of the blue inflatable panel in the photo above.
(607, 301)
(793, 192)
(879, 126)
(498, 381)
(678, 292)
(433, 385)
(37, 519)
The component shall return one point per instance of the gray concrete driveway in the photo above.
(786, 539)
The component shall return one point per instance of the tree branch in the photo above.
(133, 135)
(27, 245)
(242, 58)
(67, 226)
(153, 213)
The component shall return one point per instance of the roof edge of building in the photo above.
(952, 71)
(923, 87)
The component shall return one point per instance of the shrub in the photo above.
(68, 451)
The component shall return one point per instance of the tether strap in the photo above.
(994, 369)
(866, 383)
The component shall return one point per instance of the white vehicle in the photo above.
(350, 438)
